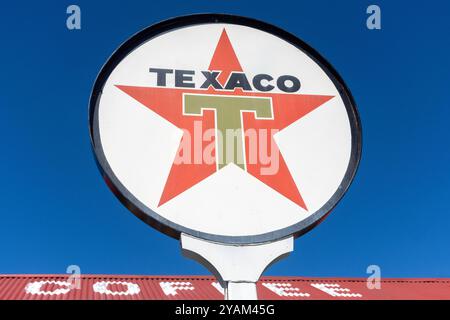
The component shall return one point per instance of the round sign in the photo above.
(224, 128)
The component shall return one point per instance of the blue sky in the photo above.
(55, 209)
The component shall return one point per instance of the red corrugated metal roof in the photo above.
(105, 287)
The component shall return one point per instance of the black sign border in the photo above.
(172, 229)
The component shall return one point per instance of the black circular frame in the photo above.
(172, 229)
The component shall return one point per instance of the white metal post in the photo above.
(237, 267)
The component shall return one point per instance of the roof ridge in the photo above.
(211, 278)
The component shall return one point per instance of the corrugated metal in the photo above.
(121, 287)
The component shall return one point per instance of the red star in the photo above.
(167, 103)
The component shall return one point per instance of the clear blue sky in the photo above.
(55, 209)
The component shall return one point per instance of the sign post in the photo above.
(226, 133)
(237, 268)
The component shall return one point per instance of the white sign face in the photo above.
(224, 128)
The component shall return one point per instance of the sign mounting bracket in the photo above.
(237, 267)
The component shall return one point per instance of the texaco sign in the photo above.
(224, 128)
